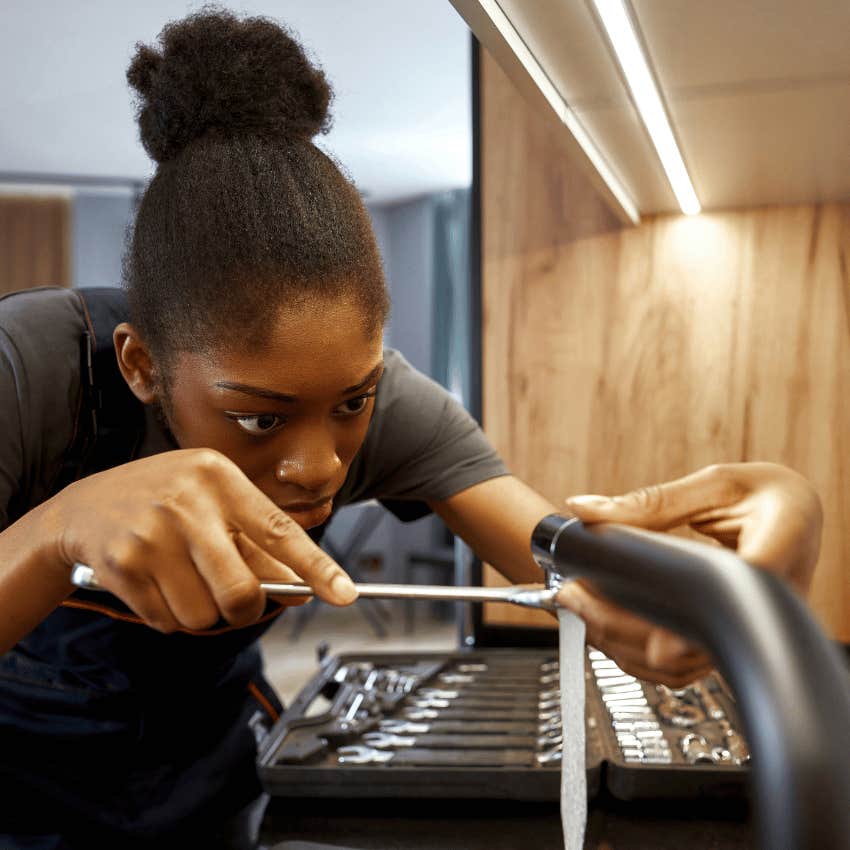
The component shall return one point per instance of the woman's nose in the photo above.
(313, 469)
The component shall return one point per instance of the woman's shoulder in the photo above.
(403, 383)
(40, 379)
(35, 317)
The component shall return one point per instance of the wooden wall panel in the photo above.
(622, 357)
(35, 242)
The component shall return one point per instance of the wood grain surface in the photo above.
(35, 242)
(617, 357)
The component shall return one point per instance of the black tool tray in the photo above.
(300, 756)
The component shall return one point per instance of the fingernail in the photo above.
(343, 589)
(589, 501)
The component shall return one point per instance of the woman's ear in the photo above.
(135, 363)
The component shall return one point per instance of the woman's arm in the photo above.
(33, 577)
(769, 514)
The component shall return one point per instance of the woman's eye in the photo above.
(354, 405)
(263, 423)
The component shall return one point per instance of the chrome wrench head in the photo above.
(545, 741)
(431, 703)
(421, 714)
(402, 727)
(385, 741)
(550, 756)
(362, 755)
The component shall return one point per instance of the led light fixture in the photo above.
(532, 67)
(618, 25)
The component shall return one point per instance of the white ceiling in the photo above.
(758, 92)
(400, 69)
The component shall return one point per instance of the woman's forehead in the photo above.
(302, 359)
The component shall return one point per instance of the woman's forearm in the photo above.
(496, 518)
(33, 577)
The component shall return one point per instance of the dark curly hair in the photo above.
(244, 214)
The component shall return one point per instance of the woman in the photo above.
(182, 443)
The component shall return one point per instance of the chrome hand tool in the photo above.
(696, 749)
(530, 691)
(385, 741)
(635, 724)
(84, 577)
(735, 743)
(355, 755)
(502, 681)
(549, 757)
(492, 704)
(676, 712)
(709, 702)
(456, 727)
(413, 713)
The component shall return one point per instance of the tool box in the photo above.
(485, 724)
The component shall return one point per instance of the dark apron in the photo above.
(112, 734)
(112, 730)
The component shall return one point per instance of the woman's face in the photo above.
(292, 414)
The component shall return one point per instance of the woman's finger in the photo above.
(661, 507)
(234, 586)
(267, 568)
(272, 530)
(144, 598)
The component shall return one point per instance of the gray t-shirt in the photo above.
(421, 444)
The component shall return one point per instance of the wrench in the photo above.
(473, 704)
(419, 714)
(695, 749)
(505, 683)
(552, 756)
(84, 577)
(456, 727)
(735, 743)
(709, 702)
(385, 741)
(681, 714)
(357, 755)
(490, 705)
(456, 693)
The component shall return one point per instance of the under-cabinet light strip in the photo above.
(618, 25)
(559, 105)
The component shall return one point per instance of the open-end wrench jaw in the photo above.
(385, 741)
(356, 754)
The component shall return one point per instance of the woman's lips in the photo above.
(309, 514)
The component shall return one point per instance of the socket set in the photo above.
(486, 724)
(665, 742)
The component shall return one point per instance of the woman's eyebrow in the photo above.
(373, 375)
(247, 389)
(261, 392)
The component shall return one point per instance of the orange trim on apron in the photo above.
(132, 618)
(263, 701)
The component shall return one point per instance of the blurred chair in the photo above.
(346, 554)
(439, 560)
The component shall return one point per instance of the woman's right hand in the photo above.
(184, 538)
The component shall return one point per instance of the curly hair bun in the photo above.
(216, 73)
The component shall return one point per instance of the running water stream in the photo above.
(573, 776)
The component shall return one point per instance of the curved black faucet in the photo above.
(790, 682)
